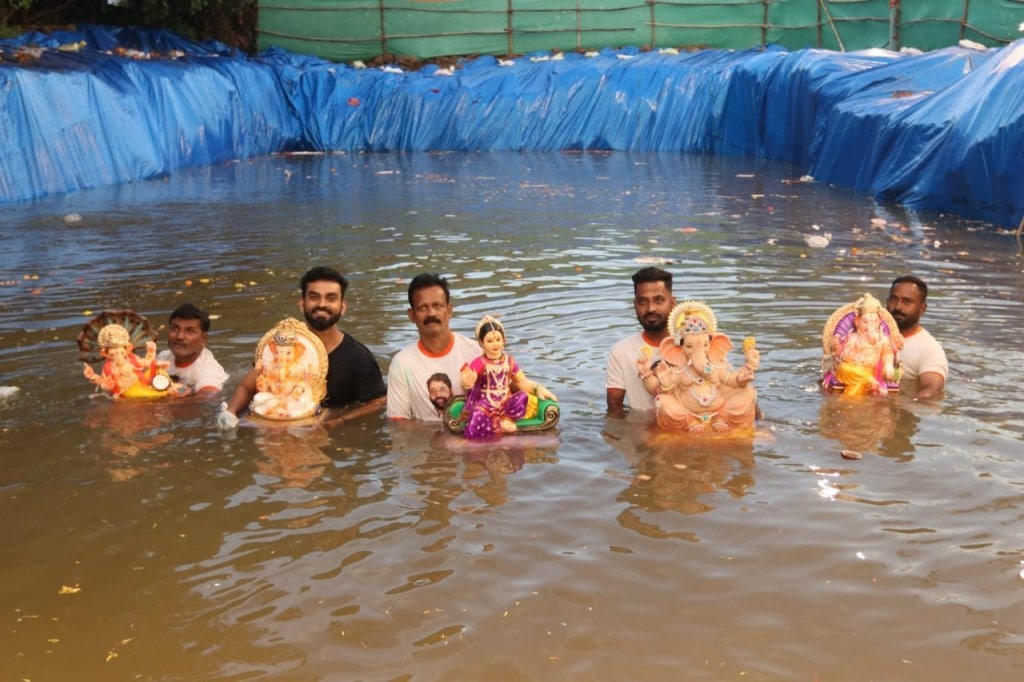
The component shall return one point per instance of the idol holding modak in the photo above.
(860, 349)
(291, 373)
(695, 388)
(111, 337)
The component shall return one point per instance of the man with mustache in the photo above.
(438, 350)
(652, 301)
(352, 372)
(190, 362)
(922, 358)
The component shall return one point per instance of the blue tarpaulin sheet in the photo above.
(942, 130)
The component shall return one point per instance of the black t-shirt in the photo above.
(352, 375)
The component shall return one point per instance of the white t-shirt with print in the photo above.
(411, 367)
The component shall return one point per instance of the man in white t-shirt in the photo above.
(438, 350)
(652, 301)
(190, 362)
(922, 359)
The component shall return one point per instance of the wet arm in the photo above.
(929, 385)
(616, 399)
(242, 396)
(370, 407)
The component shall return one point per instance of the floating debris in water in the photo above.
(851, 454)
(72, 218)
(818, 241)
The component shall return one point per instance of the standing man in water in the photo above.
(352, 371)
(190, 362)
(922, 358)
(652, 302)
(438, 350)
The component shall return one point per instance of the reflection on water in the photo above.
(602, 551)
(870, 425)
(294, 456)
(674, 472)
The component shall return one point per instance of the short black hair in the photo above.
(428, 279)
(652, 274)
(917, 281)
(442, 377)
(323, 273)
(187, 311)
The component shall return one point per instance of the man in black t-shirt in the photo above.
(353, 375)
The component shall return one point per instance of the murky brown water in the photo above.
(605, 552)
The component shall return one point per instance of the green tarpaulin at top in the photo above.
(348, 30)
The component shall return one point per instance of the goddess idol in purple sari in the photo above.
(498, 392)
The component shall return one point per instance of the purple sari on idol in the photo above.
(491, 399)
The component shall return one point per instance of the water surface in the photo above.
(604, 551)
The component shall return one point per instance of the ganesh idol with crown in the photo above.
(291, 373)
(111, 337)
(695, 388)
(860, 349)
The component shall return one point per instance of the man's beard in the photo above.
(440, 402)
(321, 323)
(904, 322)
(654, 326)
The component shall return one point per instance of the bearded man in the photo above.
(353, 375)
(652, 302)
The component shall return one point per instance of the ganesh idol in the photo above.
(695, 388)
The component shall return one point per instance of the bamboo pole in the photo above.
(764, 23)
(383, 31)
(963, 24)
(832, 24)
(579, 26)
(654, 25)
(511, 33)
(894, 24)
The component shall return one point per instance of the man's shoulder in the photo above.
(464, 342)
(921, 337)
(351, 343)
(461, 345)
(206, 354)
(406, 353)
(628, 343)
(206, 359)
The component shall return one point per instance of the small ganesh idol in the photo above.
(860, 345)
(111, 337)
(500, 398)
(695, 388)
(291, 373)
